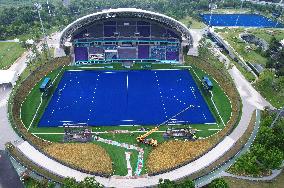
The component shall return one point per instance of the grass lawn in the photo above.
(30, 105)
(116, 153)
(232, 37)
(248, 75)
(9, 53)
(271, 88)
(267, 34)
(265, 81)
(192, 23)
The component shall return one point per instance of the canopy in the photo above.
(44, 84)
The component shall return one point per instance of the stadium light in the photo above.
(38, 8)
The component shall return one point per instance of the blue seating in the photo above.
(143, 51)
(81, 53)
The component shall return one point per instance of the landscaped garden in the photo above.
(270, 81)
(266, 153)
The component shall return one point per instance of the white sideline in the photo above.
(36, 112)
(212, 95)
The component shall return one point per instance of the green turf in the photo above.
(30, 105)
(219, 97)
(9, 53)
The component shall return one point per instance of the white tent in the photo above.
(7, 76)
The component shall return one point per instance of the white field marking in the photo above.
(210, 123)
(109, 72)
(183, 66)
(91, 67)
(164, 69)
(220, 87)
(214, 129)
(213, 101)
(47, 133)
(216, 108)
(128, 164)
(36, 112)
(99, 132)
(41, 100)
(127, 81)
(74, 70)
(42, 138)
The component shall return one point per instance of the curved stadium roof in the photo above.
(125, 12)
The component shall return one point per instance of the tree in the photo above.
(70, 183)
(166, 183)
(187, 184)
(171, 184)
(218, 183)
(265, 137)
(90, 182)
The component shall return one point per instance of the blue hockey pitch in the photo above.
(239, 20)
(112, 98)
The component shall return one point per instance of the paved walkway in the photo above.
(274, 174)
(220, 171)
(5, 127)
(5, 91)
(7, 133)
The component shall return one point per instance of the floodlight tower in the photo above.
(38, 8)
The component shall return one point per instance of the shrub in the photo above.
(166, 183)
(218, 183)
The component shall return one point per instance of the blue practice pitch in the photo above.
(145, 97)
(240, 20)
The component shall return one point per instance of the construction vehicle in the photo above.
(150, 141)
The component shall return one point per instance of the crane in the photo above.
(150, 141)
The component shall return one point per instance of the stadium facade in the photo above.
(126, 35)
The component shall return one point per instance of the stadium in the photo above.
(133, 93)
(124, 35)
(122, 88)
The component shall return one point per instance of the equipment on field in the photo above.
(150, 141)
(207, 83)
(77, 134)
(186, 133)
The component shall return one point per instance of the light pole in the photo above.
(38, 8)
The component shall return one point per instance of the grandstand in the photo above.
(121, 35)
